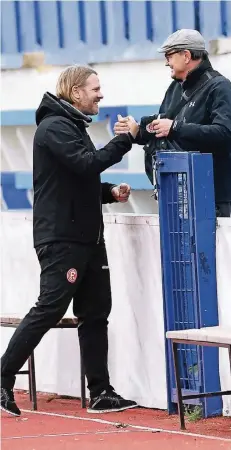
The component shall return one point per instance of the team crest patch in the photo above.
(72, 275)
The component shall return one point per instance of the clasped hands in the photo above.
(161, 127)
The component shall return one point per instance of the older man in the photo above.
(195, 113)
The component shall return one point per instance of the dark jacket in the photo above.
(68, 193)
(204, 124)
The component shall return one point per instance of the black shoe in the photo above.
(8, 403)
(109, 401)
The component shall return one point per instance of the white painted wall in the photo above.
(125, 83)
(136, 332)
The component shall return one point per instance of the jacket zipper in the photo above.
(72, 212)
(100, 207)
(183, 111)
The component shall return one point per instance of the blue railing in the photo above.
(188, 226)
(99, 31)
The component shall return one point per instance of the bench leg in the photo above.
(32, 382)
(29, 380)
(230, 358)
(83, 384)
(178, 386)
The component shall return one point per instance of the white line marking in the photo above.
(86, 433)
(137, 427)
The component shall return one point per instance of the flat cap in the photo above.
(183, 40)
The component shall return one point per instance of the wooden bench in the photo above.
(12, 322)
(212, 337)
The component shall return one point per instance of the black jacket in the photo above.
(68, 193)
(204, 124)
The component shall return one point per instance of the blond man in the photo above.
(68, 234)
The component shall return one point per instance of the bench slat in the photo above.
(66, 321)
(10, 320)
(218, 334)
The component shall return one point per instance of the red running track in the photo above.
(61, 424)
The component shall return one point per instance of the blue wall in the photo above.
(15, 185)
(99, 31)
(27, 116)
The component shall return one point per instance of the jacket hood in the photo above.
(54, 106)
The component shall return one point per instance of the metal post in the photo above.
(83, 384)
(178, 386)
(32, 381)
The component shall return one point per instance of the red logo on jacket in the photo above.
(72, 275)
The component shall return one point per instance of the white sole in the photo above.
(9, 412)
(103, 411)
